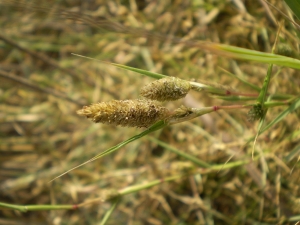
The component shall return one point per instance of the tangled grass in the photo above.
(198, 171)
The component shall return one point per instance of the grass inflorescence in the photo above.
(166, 89)
(127, 113)
(190, 160)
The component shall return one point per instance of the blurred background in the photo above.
(42, 86)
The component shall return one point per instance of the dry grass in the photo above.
(41, 135)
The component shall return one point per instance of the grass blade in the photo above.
(282, 115)
(294, 6)
(252, 55)
(244, 81)
(158, 125)
(293, 153)
(180, 153)
(143, 72)
(110, 211)
(25, 208)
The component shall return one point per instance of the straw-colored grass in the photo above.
(198, 171)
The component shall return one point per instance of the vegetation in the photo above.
(213, 140)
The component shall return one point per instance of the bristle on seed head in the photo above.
(166, 89)
(126, 113)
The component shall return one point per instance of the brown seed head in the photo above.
(127, 113)
(166, 89)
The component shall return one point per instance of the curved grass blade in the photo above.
(295, 151)
(143, 72)
(252, 55)
(157, 126)
(294, 6)
(282, 115)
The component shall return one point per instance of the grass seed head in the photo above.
(284, 49)
(181, 112)
(126, 113)
(255, 113)
(166, 89)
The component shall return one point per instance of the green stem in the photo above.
(180, 153)
(110, 211)
(25, 208)
(263, 92)
(158, 125)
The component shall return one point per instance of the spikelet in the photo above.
(284, 49)
(126, 113)
(166, 89)
(255, 113)
(181, 112)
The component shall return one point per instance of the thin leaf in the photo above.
(143, 72)
(235, 98)
(110, 211)
(263, 92)
(252, 55)
(180, 153)
(282, 115)
(261, 100)
(293, 153)
(158, 125)
(294, 6)
(244, 81)
(26, 208)
(261, 122)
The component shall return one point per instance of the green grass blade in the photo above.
(282, 115)
(158, 125)
(181, 153)
(110, 211)
(25, 208)
(266, 104)
(295, 151)
(244, 81)
(256, 56)
(294, 6)
(235, 98)
(143, 72)
(263, 92)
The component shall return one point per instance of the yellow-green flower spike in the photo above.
(126, 113)
(166, 89)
